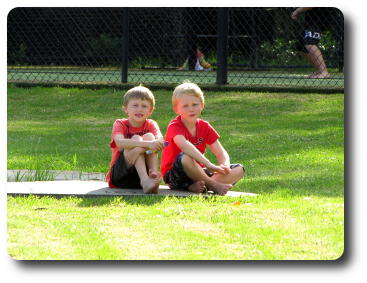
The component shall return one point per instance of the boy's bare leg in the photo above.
(131, 155)
(135, 157)
(152, 159)
(149, 184)
(197, 187)
(152, 162)
(232, 177)
(197, 174)
(316, 59)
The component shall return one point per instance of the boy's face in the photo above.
(138, 110)
(189, 108)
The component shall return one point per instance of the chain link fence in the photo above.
(213, 46)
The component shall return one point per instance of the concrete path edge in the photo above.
(72, 183)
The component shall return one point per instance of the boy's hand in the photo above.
(215, 169)
(156, 145)
(226, 168)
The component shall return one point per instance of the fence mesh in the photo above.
(235, 46)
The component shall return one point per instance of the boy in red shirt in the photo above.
(135, 142)
(184, 165)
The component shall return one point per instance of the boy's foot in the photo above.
(154, 174)
(157, 177)
(220, 189)
(150, 186)
(197, 187)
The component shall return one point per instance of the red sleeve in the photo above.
(154, 128)
(118, 128)
(212, 135)
(174, 130)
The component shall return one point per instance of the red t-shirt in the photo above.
(122, 126)
(205, 134)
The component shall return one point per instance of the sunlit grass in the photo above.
(158, 228)
(292, 146)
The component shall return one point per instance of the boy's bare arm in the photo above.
(220, 153)
(160, 138)
(222, 156)
(189, 149)
(123, 143)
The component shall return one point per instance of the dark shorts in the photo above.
(124, 176)
(307, 37)
(176, 177)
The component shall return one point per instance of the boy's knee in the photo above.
(131, 155)
(148, 137)
(136, 138)
(239, 171)
(186, 160)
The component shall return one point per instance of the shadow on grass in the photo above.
(110, 200)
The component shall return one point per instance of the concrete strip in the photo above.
(91, 188)
(52, 175)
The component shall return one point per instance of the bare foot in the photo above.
(154, 174)
(197, 187)
(310, 75)
(150, 186)
(157, 177)
(322, 75)
(220, 189)
(155, 190)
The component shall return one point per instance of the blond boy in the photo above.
(135, 141)
(184, 165)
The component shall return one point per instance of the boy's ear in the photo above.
(175, 109)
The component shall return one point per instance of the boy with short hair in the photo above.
(134, 142)
(184, 165)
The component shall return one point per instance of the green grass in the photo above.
(36, 175)
(166, 228)
(292, 146)
(101, 75)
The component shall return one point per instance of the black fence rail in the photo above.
(220, 46)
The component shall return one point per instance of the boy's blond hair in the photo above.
(139, 92)
(187, 88)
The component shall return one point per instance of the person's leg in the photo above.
(152, 163)
(124, 175)
(136, 157)
(307, 46)
(316, 59)
(149, 185)
(132, 154)
(177, 179)
(232, 177)
(197, 174)
(152, 159)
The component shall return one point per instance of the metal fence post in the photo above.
(125, 45)
(253, 56)
(222, 45)
(340, 41)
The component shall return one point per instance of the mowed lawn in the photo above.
(292, 146)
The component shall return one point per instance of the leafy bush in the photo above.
(105, 48)
(19, 56)
(278, 52)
